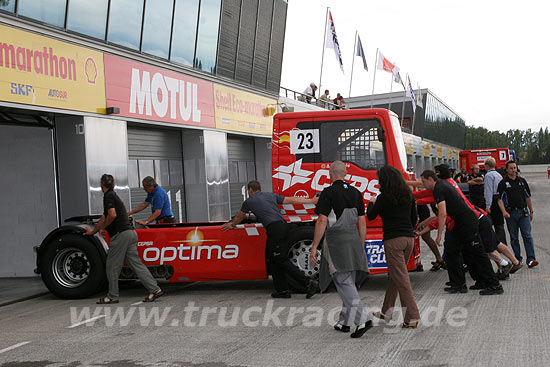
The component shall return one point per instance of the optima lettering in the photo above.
(185, 253)
(44, 62)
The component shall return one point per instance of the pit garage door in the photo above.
(242, 169)
(28, 197)
(156, 152)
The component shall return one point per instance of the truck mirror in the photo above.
(381, 135)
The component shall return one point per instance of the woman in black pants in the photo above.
(397, 208)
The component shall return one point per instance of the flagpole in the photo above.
(412, 126)
(391, 90)
(353, 63)
(404, 100)
(323, 55)
(373, 80)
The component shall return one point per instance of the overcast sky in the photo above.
(485, 59)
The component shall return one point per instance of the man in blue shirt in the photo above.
(159, 201)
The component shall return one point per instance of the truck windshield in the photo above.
(357, 142)
(399, 142)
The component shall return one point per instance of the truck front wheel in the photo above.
(300, 240)
(72, 267)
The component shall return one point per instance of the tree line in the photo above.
(531, 147)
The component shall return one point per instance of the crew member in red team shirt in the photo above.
(463, 238)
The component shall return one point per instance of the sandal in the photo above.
(381, 316)
(410, 325)
(102, 301)
(154, 296)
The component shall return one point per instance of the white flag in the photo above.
(419, 96)
(332, 41)
(410, 93)
(386, 65)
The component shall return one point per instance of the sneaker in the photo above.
(448, 283)
(283, 294)
(532, 263)
(312, 288)
(459, 289)
(516, 267)
(491, 291)
(361, 329)
(477, 286)
(505, 271)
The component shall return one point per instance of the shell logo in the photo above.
(90, 68)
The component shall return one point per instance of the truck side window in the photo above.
(356, 142)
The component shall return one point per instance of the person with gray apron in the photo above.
(342, 221)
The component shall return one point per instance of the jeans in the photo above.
(519, 221)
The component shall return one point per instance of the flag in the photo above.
(410, 93)
(419, 96)
(386, 65)
(359, 52)
(332, 41)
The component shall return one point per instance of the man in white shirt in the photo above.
(309, 92)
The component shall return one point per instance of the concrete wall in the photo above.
(28, 196)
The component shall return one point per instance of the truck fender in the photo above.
(98, 241)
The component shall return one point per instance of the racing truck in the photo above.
(303, 146)
(468, 158)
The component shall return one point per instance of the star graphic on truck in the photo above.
(292, 174)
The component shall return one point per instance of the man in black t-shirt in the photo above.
(516, 205)
(341, 213)
(122, 245)
(476, 185)
(463, 238)
(265, 206)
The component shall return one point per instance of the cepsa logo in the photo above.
(294, 174)
(193, 248)
(375, 254)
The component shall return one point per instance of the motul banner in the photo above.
(151, 93)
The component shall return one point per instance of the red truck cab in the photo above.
(305, 144)
(468, 158)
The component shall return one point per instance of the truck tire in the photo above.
(300, 240)
(72, 267)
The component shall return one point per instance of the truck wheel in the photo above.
(72, 267)
(300, 240)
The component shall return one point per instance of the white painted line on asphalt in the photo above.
(85, 321)
(13, 347)
(137, 303)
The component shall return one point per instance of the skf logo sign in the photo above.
(375, 254)
(22, 89)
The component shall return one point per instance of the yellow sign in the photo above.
(439, 150)
(426, 151)
(242, 111)
(41, 71)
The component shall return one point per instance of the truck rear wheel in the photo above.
(300, 240)
(72, 267)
